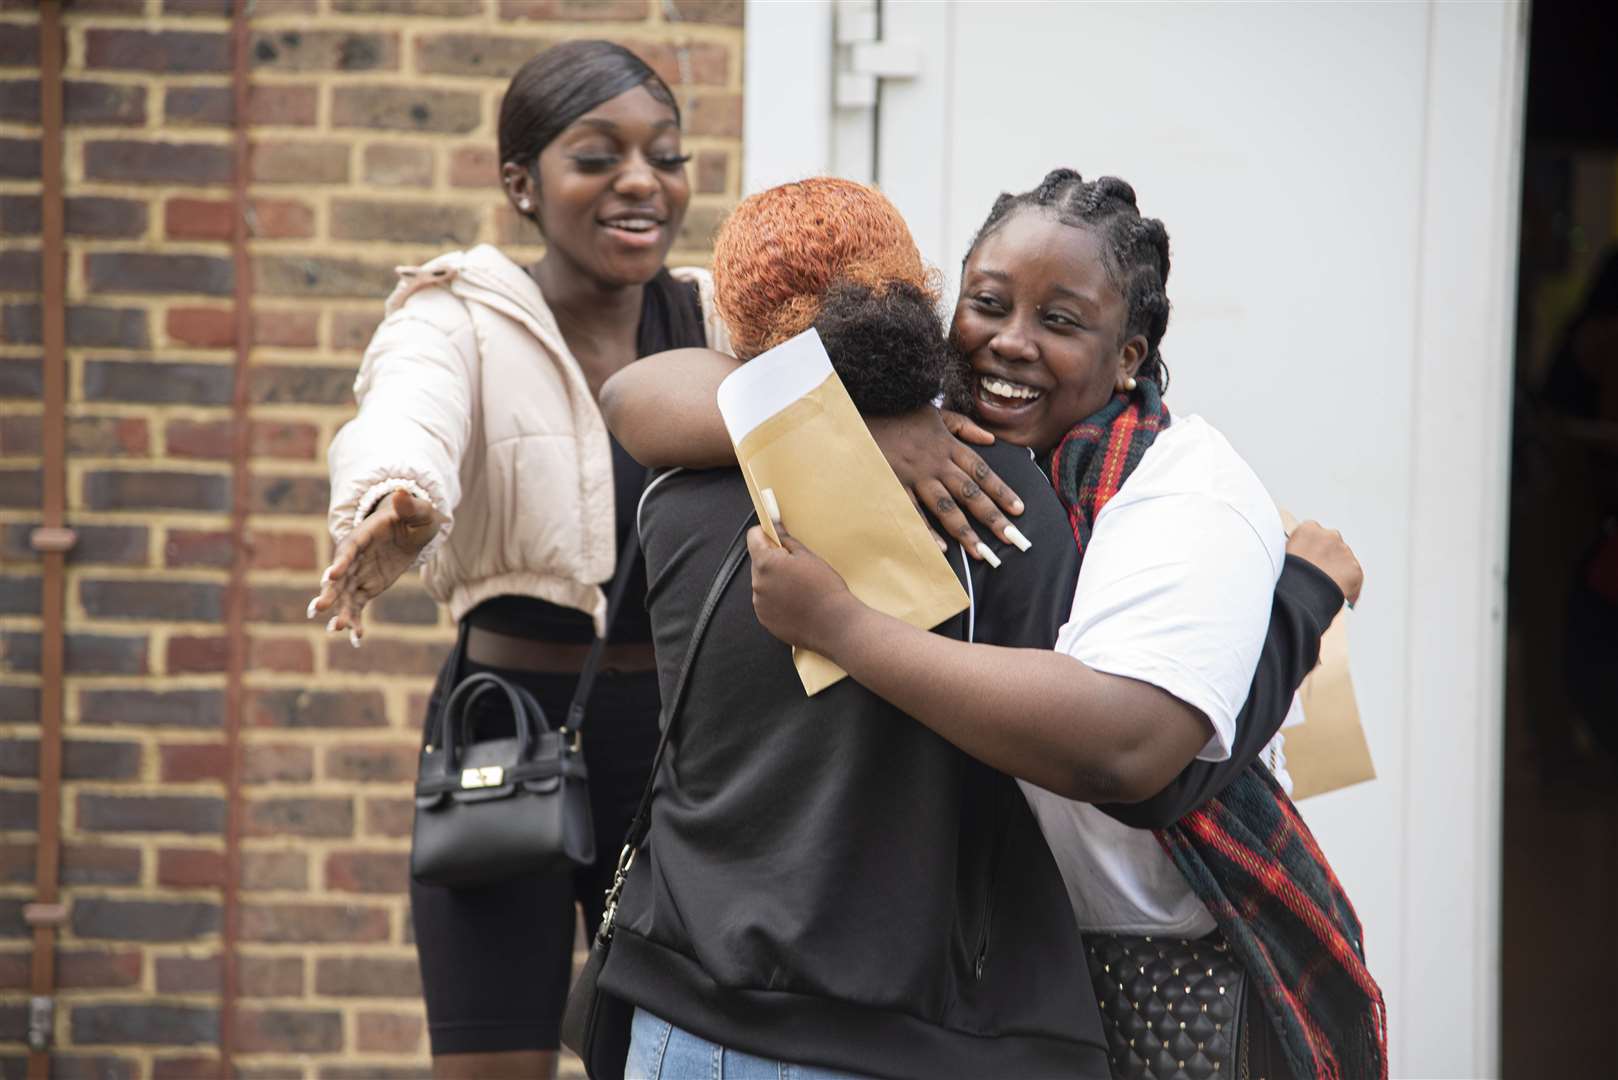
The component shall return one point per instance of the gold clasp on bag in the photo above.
(488, 776)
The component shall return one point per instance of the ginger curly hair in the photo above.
(781, 252)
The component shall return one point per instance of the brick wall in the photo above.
(373, 131)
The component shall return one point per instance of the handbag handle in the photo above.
(627, 558)
(459, 707)
(641, 825)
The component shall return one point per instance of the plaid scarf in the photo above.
(1247, 854)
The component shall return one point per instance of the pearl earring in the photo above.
(1129, 383)
(525, 204)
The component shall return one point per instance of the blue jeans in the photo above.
(660, 1051)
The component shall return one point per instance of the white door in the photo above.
(1340, 185)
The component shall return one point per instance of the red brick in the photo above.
(191, 655)
(388, 1032)
(96, 969)
(475, 167)
(283, 219)
(707, 63)
(270, 976)
(574, 10)
(300, 162)
(390, 165)
(323, 277)
(156, 490)
(719, 12)
(184, 763)
(280, 654)
(385, 872)
(302, 384)
(316, 709)
(159, 383)
(267, 763)
(365, 976)
(325, 50)
(372, 764)
(198, 219)
(130, 161)
(197, 547)
(421, 659)
(286, 441)
(714, 114)
(208, 439)
(405, 108)
(496, 55)
(283, 551)
(460, 8)
(353, 329)
(404, 222)
(713, 172)
(289, 105)
(190, 868)
(299, 816)
(108, 436)
(269, 870)
(150, 813)
(98, 864)
(289, 494)
(287, 329)
(186, 1068)
(313, 923)
(202, 328)
(389, 817)
(188, 974)
(168, 51)
(288, 1031)
(104, 918)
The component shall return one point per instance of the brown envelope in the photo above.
(1328, 750)
(835, 491)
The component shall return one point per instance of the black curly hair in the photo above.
(888, 347)
(1135, 249)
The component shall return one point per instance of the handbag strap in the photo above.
(641, 825)
(627, 558)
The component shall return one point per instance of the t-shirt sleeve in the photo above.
(1175, 591)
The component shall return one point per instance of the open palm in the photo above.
(372, 557)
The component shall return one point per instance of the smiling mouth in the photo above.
(639, 225)
(1006, 394)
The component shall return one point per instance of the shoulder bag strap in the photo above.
(639, 827)
(627, 558)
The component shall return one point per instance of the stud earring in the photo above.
(525, 205)
(1130, 383)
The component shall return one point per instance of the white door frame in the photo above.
(1459, 453)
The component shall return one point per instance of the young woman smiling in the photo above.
(479, 454)
(1058, 324)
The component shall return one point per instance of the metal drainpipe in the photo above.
(52, 540)
(242, 545)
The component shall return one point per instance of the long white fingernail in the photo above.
(942, 547)
(1014, 535)
(988, 556)
(771, 507)
(309, 612)
(354, 638)
(325, 578)
(331, 625)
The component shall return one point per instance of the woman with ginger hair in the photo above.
(1058, 323)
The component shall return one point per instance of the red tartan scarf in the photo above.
(1247, 854)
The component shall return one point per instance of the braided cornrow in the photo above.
(1136, 249)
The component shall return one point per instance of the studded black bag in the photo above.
(1172, 1009)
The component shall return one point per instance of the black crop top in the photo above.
(670, 318)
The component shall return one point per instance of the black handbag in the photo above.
(491, 809)
(595, 1024)
(1170, 1007)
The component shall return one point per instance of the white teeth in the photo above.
(634, 224)
(1006, 389)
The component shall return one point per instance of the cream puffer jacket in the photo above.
(468, 397)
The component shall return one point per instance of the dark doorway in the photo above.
(1560, 908)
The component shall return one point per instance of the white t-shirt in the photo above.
(1175, 591)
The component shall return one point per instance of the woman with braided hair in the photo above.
(1058, 326)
